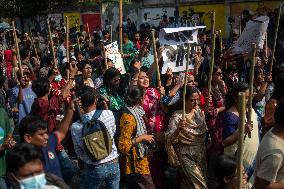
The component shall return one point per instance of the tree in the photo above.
(26, 8)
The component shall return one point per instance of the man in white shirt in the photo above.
(269, 170)
(107, 169)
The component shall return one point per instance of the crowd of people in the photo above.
(62, 118)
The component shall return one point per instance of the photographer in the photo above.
(104, 168)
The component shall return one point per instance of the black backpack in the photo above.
(96, 138)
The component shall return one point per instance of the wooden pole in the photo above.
(240, 26)
(17, 48)
(110, 28)
(252, 66)
(242, 113)
(266, 41)
(275, 39)
(67, 46)
(105, 55)
(221, 42)
(156, 59)
(185, 82)
(212, 57)
(34, 47)
(88, 29)
(51, 43)
(120, 26)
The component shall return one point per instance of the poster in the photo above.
(92, 20)
(113, 53)
(177, 36)
(74, 19)
(56, 18)
(153, 16)
(254, 32)
(175, 58)
(201, 14)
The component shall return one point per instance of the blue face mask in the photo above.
(58, 78)
(34, 182)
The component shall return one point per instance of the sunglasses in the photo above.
(218, 73)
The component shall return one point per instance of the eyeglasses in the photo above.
(218, 73)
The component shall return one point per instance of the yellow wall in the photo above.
(208, 9)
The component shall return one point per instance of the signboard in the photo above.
(254, 32)
(177, 36)
(113, 53)
(74, 19)
(92, 20)
(175, 58)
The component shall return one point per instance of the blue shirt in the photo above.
(28, 99)
(51, 162)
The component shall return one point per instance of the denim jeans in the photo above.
(108, 173)
(3, 183)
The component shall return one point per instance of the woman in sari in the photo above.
(185, 142)
(155, 116)
(230, 129)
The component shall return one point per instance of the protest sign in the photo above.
(112, 53)
(254, 32)
(93, 20)
(178, 36)
(56, 18)
(175, 58)
(74, 19)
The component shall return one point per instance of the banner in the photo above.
(74, 19)
(153, 16)
(91, 19)
(201, 14)
(175, 58)
(178, 36)
(254, 32)
(113, 53)
(56, 18)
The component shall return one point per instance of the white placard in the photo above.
(113, 53)
(175, 58)
(178, 36)
(254, 32)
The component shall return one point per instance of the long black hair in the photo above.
(233, 94)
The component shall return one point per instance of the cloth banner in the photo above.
(178, 36)
(56, 18)
(91, 19)
(254, 32)
(113, 53)
(175, 58)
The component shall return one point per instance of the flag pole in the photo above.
(185, 82)
(275, 39)
(156, 59)
(17, 48)
(120, 26)
(67, 46)
(212, 57)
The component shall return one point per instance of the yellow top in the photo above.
(127, 127)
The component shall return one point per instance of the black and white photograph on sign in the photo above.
(175, 58)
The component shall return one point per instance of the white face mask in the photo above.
(34, 182)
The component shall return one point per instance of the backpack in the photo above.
(97, 141)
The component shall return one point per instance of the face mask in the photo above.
(34, 182)
(58, 78)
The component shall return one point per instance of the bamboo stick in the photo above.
(212, 57)
(33, 45)
(252, 66)
(88, 29)
(221, 42)
(120, 26)
(110, 27)
(67, 46)
(185, 81)
(51, 43)
(266, 41)
(156, 59)
(17, 48)
(275, 38)
(240, 26)
(242, 113)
